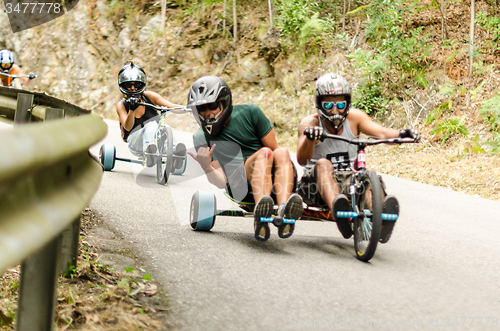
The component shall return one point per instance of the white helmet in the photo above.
(6, 60)
(332, 85)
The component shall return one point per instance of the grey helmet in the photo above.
(207, 90)
(6, 60)
(131, 72)
(332, 85)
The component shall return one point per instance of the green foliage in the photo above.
(490, 110)
(436, 113)
(494, 143)
(480, 68)
(369, 94)
(405, 51)
(451, 126)
(300, 23)
(70, 271)
(492, 25)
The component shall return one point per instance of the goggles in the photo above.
(328, 105)
(129, 85)
(6, 65)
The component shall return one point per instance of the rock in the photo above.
(124, 39)
(151, 27)
(253, 69)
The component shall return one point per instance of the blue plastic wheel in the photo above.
(203, 210)
(107, 156)
(181, 170)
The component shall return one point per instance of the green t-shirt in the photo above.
(238, 139)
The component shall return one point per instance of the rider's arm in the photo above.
(16, 70)
(212, 168)
(367, 126)
(215, 175)
(305, 147)
(269, 140)
(126, 119)
(160, 101)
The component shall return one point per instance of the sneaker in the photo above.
(390, 206)
(263, 209)
(150, 159)
(180, 150)
(342, 204)
(287, 215)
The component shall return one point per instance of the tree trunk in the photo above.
(472, 22)
(343, 18)
(270, 14)
(163, 11)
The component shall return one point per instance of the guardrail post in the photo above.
(37, 289)
(70, 238)
(23, 108)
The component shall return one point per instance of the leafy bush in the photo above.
(492, 25)
(299, 21)
(451, 126)
(369, 94)
(490, 110)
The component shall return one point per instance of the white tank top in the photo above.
(340, 153)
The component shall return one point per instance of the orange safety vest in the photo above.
(9, 79)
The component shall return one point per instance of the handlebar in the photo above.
(19, 76)
(163, 108)
(369, 142)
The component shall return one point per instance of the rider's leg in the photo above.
(283, 175)
(148, 144)
(149, 130)
(327, 186)
(330, 192)
(258, 171)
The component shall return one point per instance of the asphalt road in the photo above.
(439, 271)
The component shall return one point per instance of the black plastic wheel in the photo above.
(164, 158)
(368, 224)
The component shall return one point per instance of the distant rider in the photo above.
(9, 68)
(328, 163)
(139, 123)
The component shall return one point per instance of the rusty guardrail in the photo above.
(47, 177)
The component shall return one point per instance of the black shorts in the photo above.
(308, 187)
(239, 188)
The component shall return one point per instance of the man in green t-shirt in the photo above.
(237, 149)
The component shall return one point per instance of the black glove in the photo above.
(133, 103)
(410, 133)
(314, 133)
(31, 75)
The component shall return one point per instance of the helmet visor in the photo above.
(6, 65)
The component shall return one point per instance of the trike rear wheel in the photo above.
(369, 222)
(107, 156)
(165, 155)
(202, 211)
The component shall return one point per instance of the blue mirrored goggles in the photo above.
(328, 105)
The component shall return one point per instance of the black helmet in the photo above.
(210, 89)
(6, 60)
(131, 72)
(332, 85)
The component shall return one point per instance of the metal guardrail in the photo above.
(47, 177)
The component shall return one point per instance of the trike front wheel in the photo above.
(368, 224)
(165, 155)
